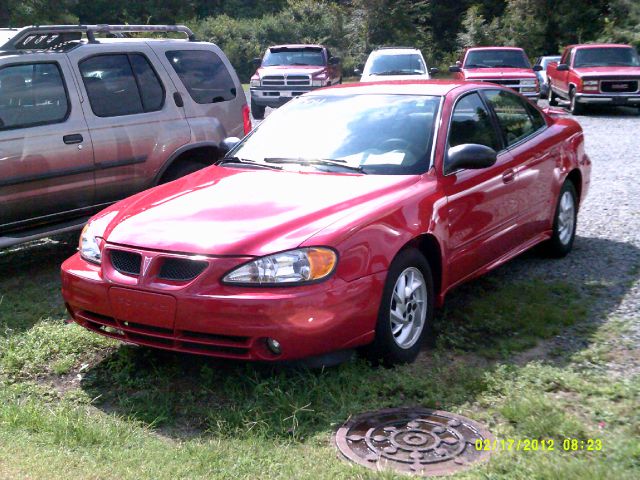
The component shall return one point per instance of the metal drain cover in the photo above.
(419, 441)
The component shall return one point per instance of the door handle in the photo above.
(73, 138)
(508, 176)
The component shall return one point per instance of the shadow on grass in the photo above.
(495, 317)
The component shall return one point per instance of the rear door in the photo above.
(482, 204)
(213, 96)
(134, 124)
(46, 160)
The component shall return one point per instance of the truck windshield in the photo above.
(293, 56)
(491, 58)
(388, 134)
(406, 64)
(606, 57)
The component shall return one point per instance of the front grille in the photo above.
(289, 80)
(273, 80)
(181, 269)
(167, 338)
(619, 86)
(126, 262)
(513, 83)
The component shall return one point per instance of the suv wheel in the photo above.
(406, 311)
(180, 170)
(257, 111)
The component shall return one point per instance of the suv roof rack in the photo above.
(399, 48)
(46, 37)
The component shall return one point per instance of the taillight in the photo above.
(246, 119)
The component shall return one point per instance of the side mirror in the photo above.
(256, 62)
(537, 68)
(455, 69)
(229, 144)
(562, 67)
(434, 70)
(470, 155)
(334, 61)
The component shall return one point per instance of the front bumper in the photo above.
(207, 318)
(277, 96)
(632, 99)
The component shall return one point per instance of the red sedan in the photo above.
(340, 222)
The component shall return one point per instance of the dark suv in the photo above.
(89, 115)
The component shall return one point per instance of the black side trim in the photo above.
(71, 171)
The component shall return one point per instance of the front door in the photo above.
(46, 159)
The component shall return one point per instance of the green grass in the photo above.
(74, 405)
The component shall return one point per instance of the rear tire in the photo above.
(552, 97)
(257, 110)
(564, 222)
(405, 316)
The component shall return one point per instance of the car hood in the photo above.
(234, 211)
(290, 70)
(506, 73)
(378, 78)
(608, 71)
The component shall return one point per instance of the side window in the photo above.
(203, 74)
(567, 56)
(115, 90)
(471, 123)
(31, 95)
(514, 115)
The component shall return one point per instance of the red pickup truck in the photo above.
(508, 66)
(287, 71)
(604, 74)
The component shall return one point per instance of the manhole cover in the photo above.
(418, 441)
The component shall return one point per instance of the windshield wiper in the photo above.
(250, 163)
(316, 161)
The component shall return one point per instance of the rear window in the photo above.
(121, 84)
(203, 74)
(31, 95)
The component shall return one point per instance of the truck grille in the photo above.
(289, 80)
(619, 86)
(513, 83)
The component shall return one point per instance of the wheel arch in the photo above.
(575, 177)
(202, 152)
(428, 245)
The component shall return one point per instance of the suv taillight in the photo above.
(246, 119)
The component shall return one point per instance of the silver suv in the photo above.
(89, 115)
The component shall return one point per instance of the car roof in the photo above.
(395, 51)
(599, 45)
(437, 88)
(297, 45)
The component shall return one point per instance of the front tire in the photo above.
(564, 222)
(552, 97)
(575, 107)
(405, 316)
(257, 110)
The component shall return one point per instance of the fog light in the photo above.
(274, 345)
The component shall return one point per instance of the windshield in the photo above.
(496, 59)
(378, 134)
(606, 57)
(405, 64)
(293, 56)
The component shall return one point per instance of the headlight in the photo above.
(254, 82)
(294, 266)
(590, 83)
(528, 83)
(317, 83)
(89, 245)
